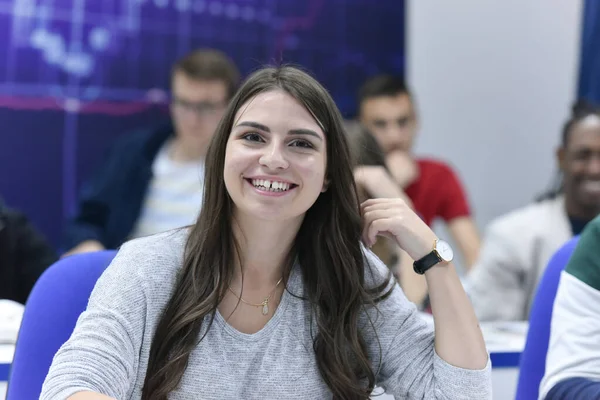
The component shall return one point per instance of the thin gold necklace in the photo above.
(265, 302)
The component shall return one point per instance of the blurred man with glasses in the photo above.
(152, 181)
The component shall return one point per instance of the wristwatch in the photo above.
(442, 252)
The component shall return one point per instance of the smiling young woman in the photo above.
(271, 295)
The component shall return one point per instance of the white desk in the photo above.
(6, 356)
(505, 341)
(11, 314)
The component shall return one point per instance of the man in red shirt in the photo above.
(387, 110)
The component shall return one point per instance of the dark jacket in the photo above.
(24, 255)
(110, 203)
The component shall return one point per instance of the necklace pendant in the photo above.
(265, 308)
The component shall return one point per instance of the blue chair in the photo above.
(533, 360)
(58, 298)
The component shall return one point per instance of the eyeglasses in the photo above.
(201, 109)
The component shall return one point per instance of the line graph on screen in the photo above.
(60, 52)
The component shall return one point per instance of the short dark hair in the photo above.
(580, 110)
(209, 65)
(382, 85)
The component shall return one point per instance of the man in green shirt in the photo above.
(573, 361)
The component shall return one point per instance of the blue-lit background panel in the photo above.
(78, 73)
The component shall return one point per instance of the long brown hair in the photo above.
(326, 247)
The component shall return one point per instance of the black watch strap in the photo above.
(421, 266)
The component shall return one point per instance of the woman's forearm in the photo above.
(458, 338)
(413, 285)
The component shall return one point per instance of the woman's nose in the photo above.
(274, 157)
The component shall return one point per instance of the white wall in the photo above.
(494, 81)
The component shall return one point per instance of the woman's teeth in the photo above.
(271, 186)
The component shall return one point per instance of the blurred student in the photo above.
(387, 109)
(518, 245)
(24, 255)
(153, 180)
(375, 181)
(573, 360)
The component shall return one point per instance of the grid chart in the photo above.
(112, 58)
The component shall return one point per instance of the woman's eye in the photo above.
(252, 137)
(302, 143)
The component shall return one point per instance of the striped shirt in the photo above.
(174, 196)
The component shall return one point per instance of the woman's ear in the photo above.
(325, 185)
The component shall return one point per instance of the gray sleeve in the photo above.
(102, 354)
(495, 285)
(403, 354)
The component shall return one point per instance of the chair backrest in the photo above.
(533, 360)
(58, 298)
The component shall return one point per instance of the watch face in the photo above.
(444, 250)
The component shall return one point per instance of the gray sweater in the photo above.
(108, 351)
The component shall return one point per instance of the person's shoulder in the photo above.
(527, 218)
(584, 264)
(434, 164)
(136, 140)
(593, 228)
(13, 219)
(435, 167)
(144, 272)
(154, 258)
(12, 216)
(169, 241)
